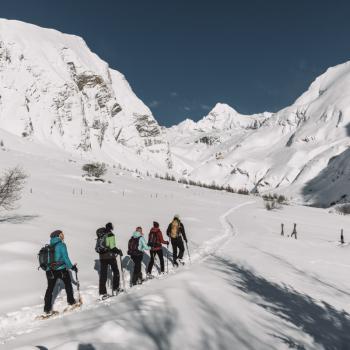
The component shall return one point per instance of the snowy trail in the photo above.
(22, 321)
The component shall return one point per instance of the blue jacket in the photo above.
(142, 242)
(61, 254)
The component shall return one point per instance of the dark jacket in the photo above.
(180, 231)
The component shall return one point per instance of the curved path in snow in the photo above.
(23, 321)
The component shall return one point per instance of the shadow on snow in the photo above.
(326, 325)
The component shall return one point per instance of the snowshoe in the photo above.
(149, 276)
(47, 315)
(72, 307)
(104, 297)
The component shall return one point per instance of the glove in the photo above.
(74, 268)
(115, 250)
(167, 242)
(185, 239)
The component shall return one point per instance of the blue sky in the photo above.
(182, 57)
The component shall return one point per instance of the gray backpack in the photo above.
(100, 246)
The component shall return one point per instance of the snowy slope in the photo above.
(54, 90)
(247, 287)
(281, 152)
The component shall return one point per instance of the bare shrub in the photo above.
(343, 209)
(11, 185)
(272, 204)
(95, 169)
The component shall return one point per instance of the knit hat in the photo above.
(55, 233)
(155, 224)
(109, 226)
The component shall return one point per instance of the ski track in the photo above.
(23, 321)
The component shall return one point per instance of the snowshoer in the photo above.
(155, 241)
(107, 249)
(137, 245)
(59, 270)
(176, 232)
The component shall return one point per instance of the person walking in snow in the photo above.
(136, 246)
(176, 232)
(107, 248)
(59, 270)
(155, 241)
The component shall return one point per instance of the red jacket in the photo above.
(160, 238)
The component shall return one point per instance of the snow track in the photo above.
(20, 322)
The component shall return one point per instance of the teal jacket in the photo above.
(142, 242)
(61, 254)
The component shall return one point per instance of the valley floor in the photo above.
(246, 288)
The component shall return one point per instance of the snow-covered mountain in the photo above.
(54, 90)
(302, 149)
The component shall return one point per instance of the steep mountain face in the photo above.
(54, 90)
(292, 151)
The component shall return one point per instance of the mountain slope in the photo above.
(54, 90)
(272, 152)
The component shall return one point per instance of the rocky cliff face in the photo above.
(54, 90)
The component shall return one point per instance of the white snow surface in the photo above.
(246, 288)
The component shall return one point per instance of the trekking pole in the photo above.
(123, 277)
(188, 252)
(167, 258)
(78, 287)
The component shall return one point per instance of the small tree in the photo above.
(11, 185)
(95, 169)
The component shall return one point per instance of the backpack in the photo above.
(174, 231)
(133, 246)
(46, 257)
(153, 240)
(100, 246)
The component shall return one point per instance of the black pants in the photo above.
(177, 244)
(103, 274)
(52, 277)
(137, 274)
(161, 259)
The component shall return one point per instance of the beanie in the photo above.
(55, 233)
(109, 226)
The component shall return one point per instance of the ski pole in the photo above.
(123, 277)
(188, 252)
(78, 287)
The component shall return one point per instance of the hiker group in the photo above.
(54, 259)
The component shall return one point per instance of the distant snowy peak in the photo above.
(54, 90)
(224, 118)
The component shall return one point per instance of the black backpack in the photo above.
(46, 257)
(153, 240)
(100, 246)
(133, 246)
